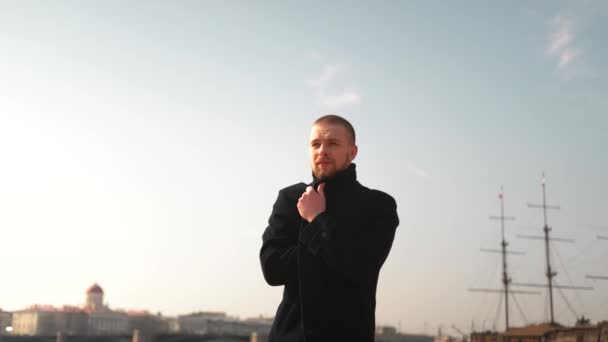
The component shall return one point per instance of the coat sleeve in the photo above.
(279, 251)
(358, 251)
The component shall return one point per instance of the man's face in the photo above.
(331, 149)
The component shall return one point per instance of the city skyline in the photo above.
(142, 148)
(94, 318)
(88, 306)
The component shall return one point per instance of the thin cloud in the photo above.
(561, 46)
(561, 36)
(418, 171)
(347, 98)
(326, 84)
(315, 56)
(328, 74)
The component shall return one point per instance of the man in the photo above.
(326, 242)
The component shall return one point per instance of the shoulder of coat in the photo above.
(379, 196)
(294, 190)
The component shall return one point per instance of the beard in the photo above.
(326, 171)
(329, 170)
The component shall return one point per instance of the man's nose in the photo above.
(323, 149)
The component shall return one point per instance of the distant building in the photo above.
(199, 323)
(48, 320)
(486, 336)
(108, 323)
(94, 318)
(390, 334)
(530, 333)
(172, 324)
(102, 320)
(586, 333)
(547, 333)
(94, 298)
(148, 323)
(447, 338)
(217, 323)
(260, 325)
(382, 330)
(6, 320)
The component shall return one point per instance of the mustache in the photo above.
(323, 160)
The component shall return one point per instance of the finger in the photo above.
(309, 189)
(321, 189)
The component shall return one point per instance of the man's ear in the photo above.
(353, 152)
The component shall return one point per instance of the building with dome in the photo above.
(101, 319)
(94, 318)
(94, 299)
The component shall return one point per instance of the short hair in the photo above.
(332, 119)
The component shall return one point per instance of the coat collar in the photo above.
(340, 180)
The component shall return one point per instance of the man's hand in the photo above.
(312, 202)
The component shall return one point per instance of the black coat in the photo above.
(330, 266)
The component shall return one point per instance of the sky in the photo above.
(143, 143)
